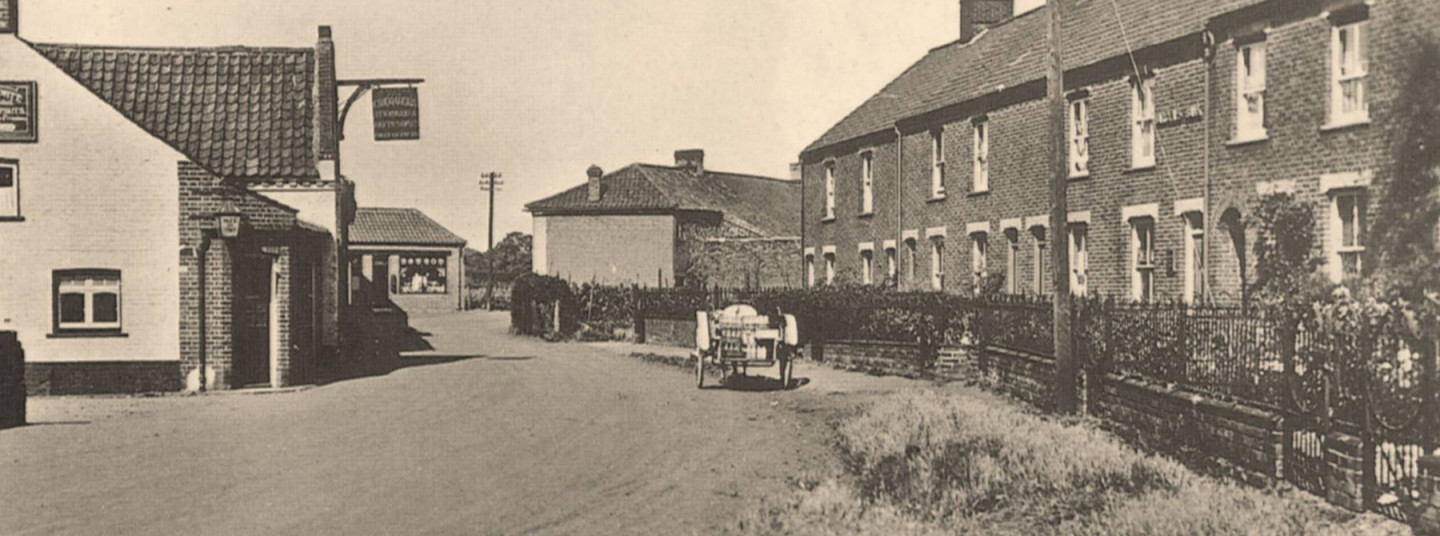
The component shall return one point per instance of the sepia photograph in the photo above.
(720, 267)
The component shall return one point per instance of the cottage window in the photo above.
(422, 274)
(937, 163)
(1250, 92)
(86, 301)
(891, 269)
(867, 267)
(1037, 269)
(830, 191)
(1348, 70)
(1194, 257)
(829, 268)
(1347, 234)
(979, 245)
(937, 272)
(981, 182)
(1079, 257)
(1142, 130)
(9, 189)
(1012, 262)
(867, 183)
(810, 271)
(912, 258)
(1079, 138)
(1142, 259)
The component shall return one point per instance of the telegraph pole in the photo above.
(490, 182)
(1065, 396)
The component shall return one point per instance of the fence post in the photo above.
(556, 326)
(1368, 483)
(1286, 340)
(1430, 368)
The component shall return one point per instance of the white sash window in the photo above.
(1250, 91)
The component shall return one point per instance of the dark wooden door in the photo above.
(380, 280)
(251, 361)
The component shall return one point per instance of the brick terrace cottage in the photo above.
(664, 225)
(941, 177)
(165, 217)
(406, 260)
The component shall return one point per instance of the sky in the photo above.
(538, 90)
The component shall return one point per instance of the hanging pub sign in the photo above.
(397, 113)
(17, 111)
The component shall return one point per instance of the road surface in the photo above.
(512, 436)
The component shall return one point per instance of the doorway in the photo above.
(254, 289)
(380, 280)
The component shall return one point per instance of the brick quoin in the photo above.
(1297, 149)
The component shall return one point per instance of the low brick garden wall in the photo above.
(898, 359)
(1167, 420)
(1018, 374)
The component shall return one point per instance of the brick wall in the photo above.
(889, 358)
(269, 230)
(1298, 149)
(1024, 376)
(1217, 433)
(733, 262)
(584, 248)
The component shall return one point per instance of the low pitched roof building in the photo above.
(407, 260)
(680, 224)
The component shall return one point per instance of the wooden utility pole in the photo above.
(1065, 399)
(490, 182)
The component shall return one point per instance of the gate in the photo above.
(1378, 387)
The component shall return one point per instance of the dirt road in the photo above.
(514, 436)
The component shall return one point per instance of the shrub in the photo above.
(928, 463)
(533, 301)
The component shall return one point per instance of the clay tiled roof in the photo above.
(399, 226)
(1013, 53)
(237, 111)
(760, 205)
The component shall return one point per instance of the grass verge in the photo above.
(923, 462)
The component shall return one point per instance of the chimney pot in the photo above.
(593, 180)
(324, 32)
(691, 159)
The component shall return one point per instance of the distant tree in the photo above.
(511, 255)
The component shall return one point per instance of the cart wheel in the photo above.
(787, 369)
(699, 371)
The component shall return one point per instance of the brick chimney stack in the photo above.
(594, 174)
(10, 17)
(691, 159)
(977, 15)
(327, 98)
